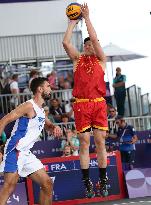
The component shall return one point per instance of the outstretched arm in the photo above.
(92, 34)
(69, 48)
(20, 111)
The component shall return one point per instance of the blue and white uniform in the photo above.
(17, 154)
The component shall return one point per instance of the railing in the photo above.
(140, 123)
(6, 101)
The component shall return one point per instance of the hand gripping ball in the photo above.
(73, 11)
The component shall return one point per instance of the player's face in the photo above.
(88, 48)
(46, 90)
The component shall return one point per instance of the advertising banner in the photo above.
(19, 196)
(52, 148)
(138, 182)
(66, 175)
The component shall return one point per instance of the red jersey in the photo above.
(89, 78)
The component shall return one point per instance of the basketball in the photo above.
(73, 11)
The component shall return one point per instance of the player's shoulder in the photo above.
(26, 105)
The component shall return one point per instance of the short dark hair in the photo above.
(119, 117)
(33, 72)
(14, 76)
(65, 115)
(86, 39)
(36, 82)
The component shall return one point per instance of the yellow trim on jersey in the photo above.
(100, 128)
(83, 129)
(77, 100)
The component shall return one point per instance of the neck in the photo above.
(38, 100)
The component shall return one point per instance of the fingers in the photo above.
(84, 10)
(84, 6)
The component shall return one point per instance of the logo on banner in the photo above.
(58, 167)
(38, 152)
(94, 163)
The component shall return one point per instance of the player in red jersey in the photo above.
(90, 108)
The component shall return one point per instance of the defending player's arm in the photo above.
(69, 48)
(92, 34)
(54, 129)
(22, 110)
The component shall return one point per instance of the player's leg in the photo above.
(84, 162)
(10, 181)
(46, 186)
(99, 138)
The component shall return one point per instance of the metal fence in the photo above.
(140, 123)
(7, 100)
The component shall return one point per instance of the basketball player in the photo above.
(90, 106)
(18, 159)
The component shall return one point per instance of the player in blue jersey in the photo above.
(18, 159)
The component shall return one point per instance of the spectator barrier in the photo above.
(138, 182)
(68, 186)
(52, 148)
(19, 196)
(5, 100)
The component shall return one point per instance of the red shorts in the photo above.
(90, 114)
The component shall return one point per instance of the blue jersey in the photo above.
(125, 135)
(26, 130)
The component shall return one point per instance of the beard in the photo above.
(46, 96)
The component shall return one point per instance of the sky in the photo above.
(126, 23)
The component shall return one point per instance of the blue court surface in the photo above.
(138, 201)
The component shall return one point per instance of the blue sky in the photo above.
(126, 23)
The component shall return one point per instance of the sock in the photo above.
(102, 173)
(85, 173)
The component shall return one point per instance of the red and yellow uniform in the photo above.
(90, 108)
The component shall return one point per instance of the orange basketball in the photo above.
(73, 11)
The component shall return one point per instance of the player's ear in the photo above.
(40, 89)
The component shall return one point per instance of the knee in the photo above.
(100, 145)
(47, 185)
(84, 145)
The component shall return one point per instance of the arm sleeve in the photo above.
(133, 131)
(124, 78)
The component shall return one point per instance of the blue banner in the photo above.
(19, 196)
(67, 179)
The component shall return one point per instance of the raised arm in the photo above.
(92, 34)
(69, 48)
(20, 111)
